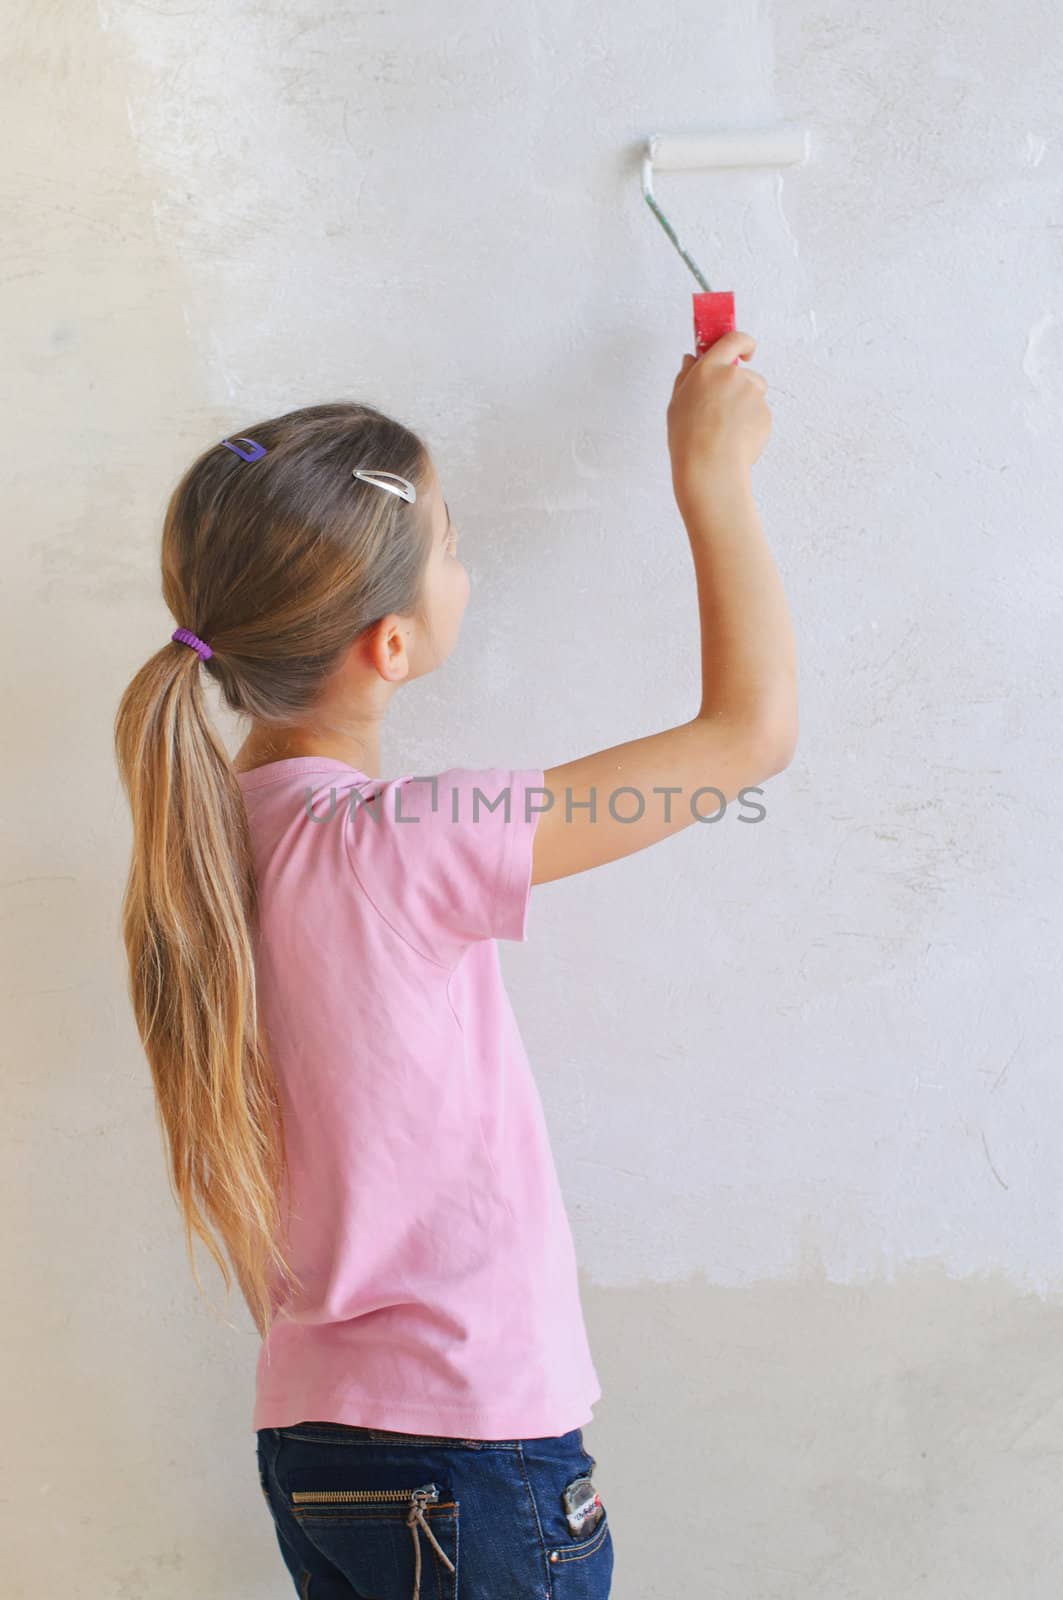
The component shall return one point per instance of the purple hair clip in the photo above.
(256, 452)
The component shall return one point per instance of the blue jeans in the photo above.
(364, 1514)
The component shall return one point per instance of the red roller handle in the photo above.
(714, 315)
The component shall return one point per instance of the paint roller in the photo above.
(714, 309)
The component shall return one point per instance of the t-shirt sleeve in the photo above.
(447, 858)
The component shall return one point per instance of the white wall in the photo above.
(802, 1077)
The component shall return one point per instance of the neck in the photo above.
(360, 750)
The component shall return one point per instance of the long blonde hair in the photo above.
(278, 564)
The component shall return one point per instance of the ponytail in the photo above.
(187, 922)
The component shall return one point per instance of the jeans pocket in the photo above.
(576, 1548)
(376, 1536)
(579, 1540)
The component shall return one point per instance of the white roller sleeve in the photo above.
(773, 147)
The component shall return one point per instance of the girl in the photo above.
(345, 1096)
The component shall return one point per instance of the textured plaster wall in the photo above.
(803, 1077)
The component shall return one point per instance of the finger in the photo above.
(733, 345)
(688, 361)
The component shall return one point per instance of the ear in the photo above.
(385, 644)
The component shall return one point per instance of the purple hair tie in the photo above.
(186, 636)
(256, 452)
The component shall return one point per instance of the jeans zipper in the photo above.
(418, 1499)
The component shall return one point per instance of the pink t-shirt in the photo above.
(427, 1222)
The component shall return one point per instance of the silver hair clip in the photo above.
(373, 476)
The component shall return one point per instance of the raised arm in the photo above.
(746, 727)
